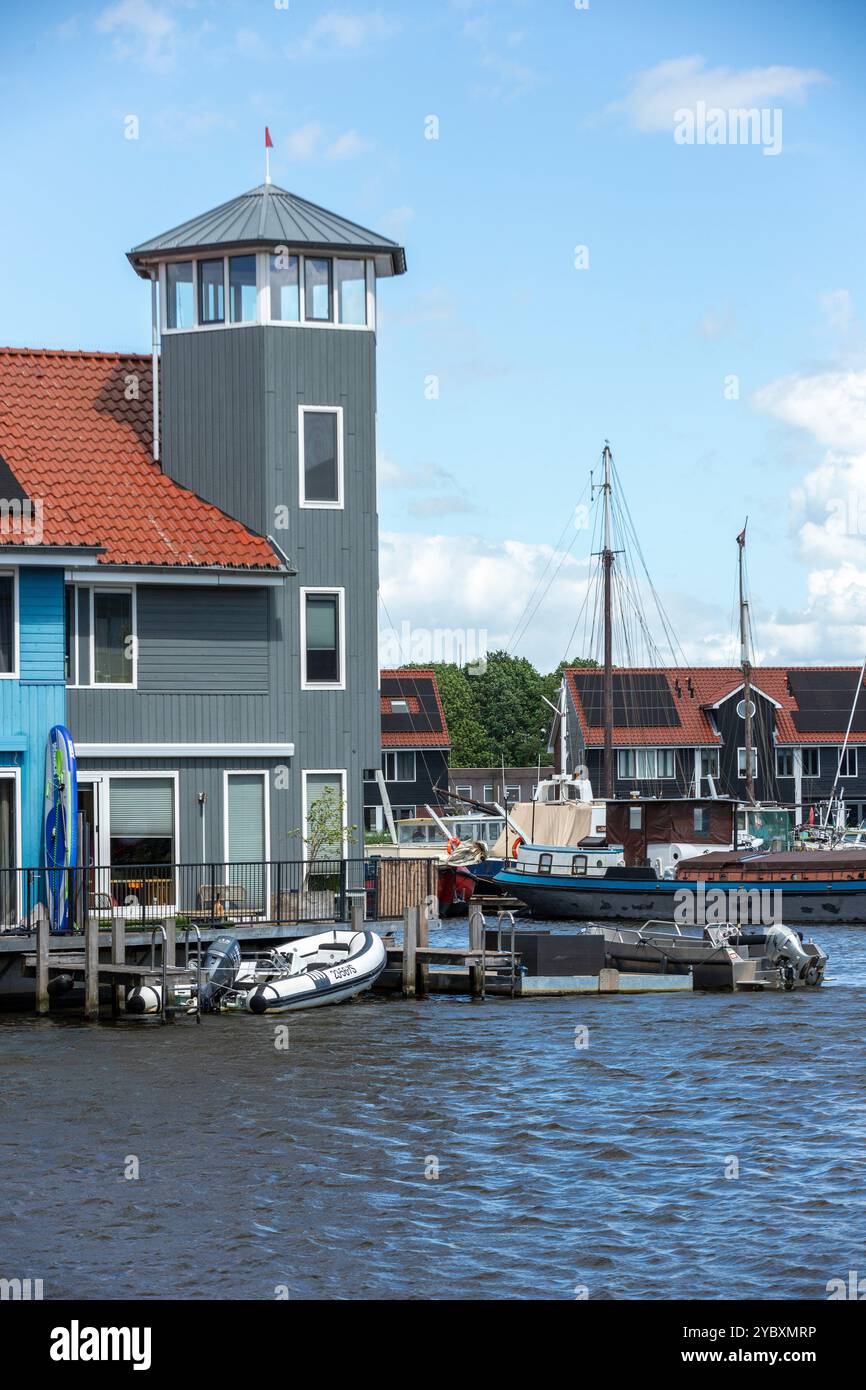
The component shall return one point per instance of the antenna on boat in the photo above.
(746, 667)
(607, 681)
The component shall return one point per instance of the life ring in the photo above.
(518, 841)
(452, 844)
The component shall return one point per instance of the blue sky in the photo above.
(705, 263)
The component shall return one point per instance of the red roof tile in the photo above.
(423, 735)
(710, 684)
(75, 431)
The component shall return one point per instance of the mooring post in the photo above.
(357, 915)
(476, 943)
(422, 972)
(42, 996)
(410, 941)
(118, 957)
(91, 967)
(169, 947)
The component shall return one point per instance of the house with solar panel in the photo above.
(198, 600)
(416, 749)
(681, 732)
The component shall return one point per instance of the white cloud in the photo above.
(348, 146)
(830, 405)
(838, 310)
(343, 33)
(139, 29)
(680, 83)
(312, 141)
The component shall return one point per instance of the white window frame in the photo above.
(112, 589)
(713, 771)
(463, 789)
(344, 797)
(392, 753)
(72, 677)
(266, 787)
(785, 753)
(337, 410)
(15, 673)
(850, 751)
(741, 763)
(413, 813)
(104, 779)
(263, 292)
(399, 700)
(666, 776)
(12, 773)
(628, 755)
(320, 589)
(810, 748)
(491, 788)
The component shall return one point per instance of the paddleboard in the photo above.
(61, 825)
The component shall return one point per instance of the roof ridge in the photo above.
(101, 354)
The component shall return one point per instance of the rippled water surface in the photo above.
(557, 1167)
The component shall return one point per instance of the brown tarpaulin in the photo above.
(546, 823)
(666, 822)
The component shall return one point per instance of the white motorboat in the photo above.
(315, 970)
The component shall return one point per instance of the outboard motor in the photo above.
(786, 950)
(218, 972)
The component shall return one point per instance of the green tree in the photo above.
(470, 746)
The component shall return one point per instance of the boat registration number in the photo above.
(343, 972)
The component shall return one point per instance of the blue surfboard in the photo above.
(61, 825)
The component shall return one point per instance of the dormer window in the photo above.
(180, 305)
(211, 291)
(285, 289)
(317, 289)
(242, 289)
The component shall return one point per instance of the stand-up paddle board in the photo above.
(61, 824)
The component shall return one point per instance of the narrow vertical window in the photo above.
(7, 624)
(179, 295)
(322, 645)
(317, 289)
(285, 295)
(69, 634)
(112, 638)
(211, 291)
(246, 836)
(242, 289)
(321, 457)
(352, 292)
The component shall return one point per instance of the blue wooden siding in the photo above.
(37, 699)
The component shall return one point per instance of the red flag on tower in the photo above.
(269, 144)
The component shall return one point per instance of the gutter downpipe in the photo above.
(154, 322)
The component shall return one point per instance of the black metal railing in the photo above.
(279, 892)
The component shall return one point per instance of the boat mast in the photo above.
(607, 686)
(747, 669)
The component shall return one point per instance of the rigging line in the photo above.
(582, 611)
(551, 558)
(667, 627)
(552, 580)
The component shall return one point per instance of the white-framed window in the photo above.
(701, 820)
(665, 763)
(247, 836)
(373, 816)
(741, 762)
(9, 625)
(399, 707)
(404, 812)
(139, 835)
(635, 817)
(10, 846)
(320, 455)
(70, 635)
(323, 639)
(113, 637)
(464, 790)
(811, 758)
(848, 767)
(277, 285)
(709, 762)
(488, 793)
(399, 766)
(316, 782)
(784, 762)
(512, 792)
(645, 764)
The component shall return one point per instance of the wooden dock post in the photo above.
(476, 943)
(410, 943)
(118, 957)
(422, 971)
(170, 949)
(91, 967)
(43, 1002)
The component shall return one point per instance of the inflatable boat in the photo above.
(315, 970)
(219, 971)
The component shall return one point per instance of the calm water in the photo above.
(557, 1167)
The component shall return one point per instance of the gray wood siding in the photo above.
(209, 640)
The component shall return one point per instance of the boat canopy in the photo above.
(561, 823)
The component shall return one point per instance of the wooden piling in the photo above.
(410, 943)
(43, 1002)
(118, 957)
(477, 968)
(422, 971)
(91, 967)
(170, 949)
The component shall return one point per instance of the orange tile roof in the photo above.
(76, 433)
(710, 684)
(419, 737)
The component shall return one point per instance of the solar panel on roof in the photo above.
(640, 700)
(825, 699)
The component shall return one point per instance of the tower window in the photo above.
(180, 308)
(352, 291)
(242, 289)
(211, 291)
(322, 646)
(321, 456)
(285, 296)
(317, 289)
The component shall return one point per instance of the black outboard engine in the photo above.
(218, 972)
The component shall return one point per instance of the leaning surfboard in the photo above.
(61, 825)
